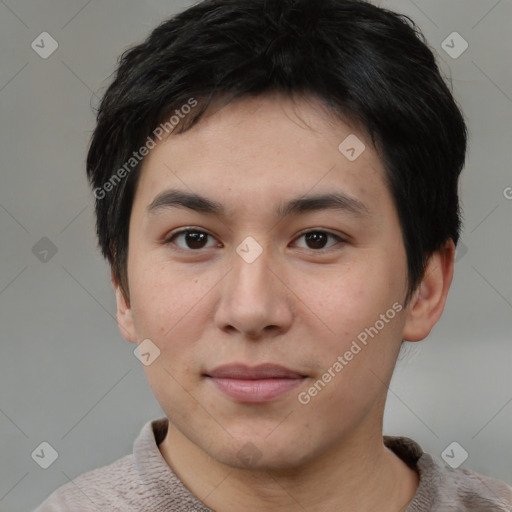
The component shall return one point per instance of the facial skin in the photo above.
(296, 305)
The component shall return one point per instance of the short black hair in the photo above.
(367, 65)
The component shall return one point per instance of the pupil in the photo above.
(315, 238)
(195, 239)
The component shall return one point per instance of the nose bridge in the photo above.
(251, 280)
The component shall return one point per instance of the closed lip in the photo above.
(241, 371)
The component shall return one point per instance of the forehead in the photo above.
(261, 149)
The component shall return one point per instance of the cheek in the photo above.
(346, 301)
(166, 302)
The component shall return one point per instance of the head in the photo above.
(255, 106)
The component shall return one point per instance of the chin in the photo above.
(258, 453)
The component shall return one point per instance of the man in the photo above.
(276, 194)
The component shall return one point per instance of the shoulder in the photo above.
(464, 489)
(118, 486)
(449, 489)
(140, 481)
(105, 488)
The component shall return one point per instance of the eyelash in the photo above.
(169, 240)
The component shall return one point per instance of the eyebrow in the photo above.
(173, 198)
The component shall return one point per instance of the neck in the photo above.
(359, 473)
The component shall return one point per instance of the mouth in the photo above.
(261, 383)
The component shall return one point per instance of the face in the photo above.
(262, 274)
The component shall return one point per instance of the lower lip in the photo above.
(260, 390)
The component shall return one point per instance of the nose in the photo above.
(255, 300)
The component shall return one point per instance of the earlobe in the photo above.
(124, 313)
(428, 301)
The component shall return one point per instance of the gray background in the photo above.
(69, 378)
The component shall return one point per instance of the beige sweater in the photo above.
(144, 482)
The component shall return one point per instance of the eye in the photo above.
(194, 239)
(317, 239)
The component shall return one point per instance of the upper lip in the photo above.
(262, 371)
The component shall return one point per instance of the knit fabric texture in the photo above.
(143, 481)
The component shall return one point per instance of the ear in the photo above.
(427, 302)
(124, 312)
